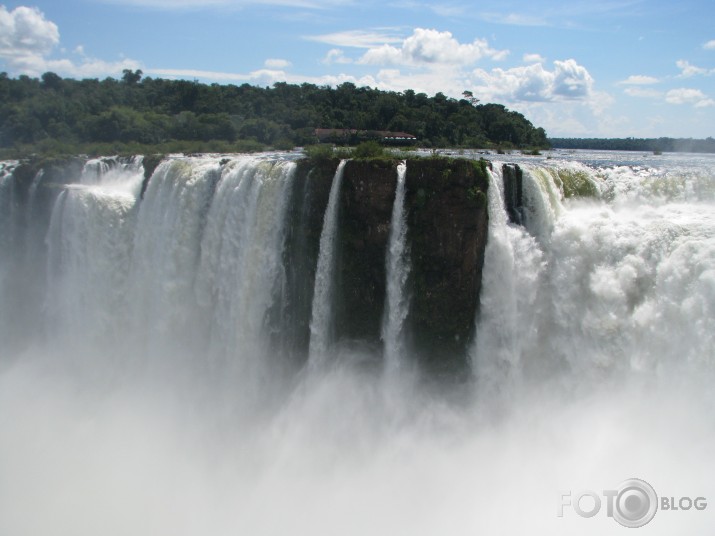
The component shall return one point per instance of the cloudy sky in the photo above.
(593, 68)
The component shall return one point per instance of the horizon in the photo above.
(626, 69)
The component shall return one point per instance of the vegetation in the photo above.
(369, 149)
(576, 183)
(55, 115)
(655, 145)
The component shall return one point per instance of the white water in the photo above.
(240, 271)
(397, 263)
(321, 322)
(595, 354)
(90, 240)
(513, 270)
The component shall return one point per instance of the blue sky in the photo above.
(594, 68)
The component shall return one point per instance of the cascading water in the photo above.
(8, 243)
(398, 270)
(513, 269)
(145, 401)
(321, 322)
(240, 272)
(89, 250)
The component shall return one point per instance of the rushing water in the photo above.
(144, 393)
(321, 322)
(398, 270)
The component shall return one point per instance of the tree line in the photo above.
(51, 111)
(656, 145)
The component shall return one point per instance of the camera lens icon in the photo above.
(635, 504)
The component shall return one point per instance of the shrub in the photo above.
(369, 149)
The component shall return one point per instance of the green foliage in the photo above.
(55, 114)
(531, 152)
(321, 151)
(283, 144)
(577, 184)
(476, 195)
(369, 149)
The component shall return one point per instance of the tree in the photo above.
(469, 97)
(130, 77)
(51, 81)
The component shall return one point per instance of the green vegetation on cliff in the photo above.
(134, 115)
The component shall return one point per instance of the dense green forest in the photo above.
(52, 114)
(637, 144)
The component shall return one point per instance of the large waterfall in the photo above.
(169, 348)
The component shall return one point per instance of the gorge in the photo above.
(269, 344)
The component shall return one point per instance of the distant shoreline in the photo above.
(665, 145)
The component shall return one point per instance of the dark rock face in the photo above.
(447, 232)
(290, 320)
(513, 195)
(367, 196)
(447, 228)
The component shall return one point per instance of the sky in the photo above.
(593, 68)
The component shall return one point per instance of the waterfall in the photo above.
(90, 242)
(630, 279)
(398, 269)
(240, 273)
(143, 341)
(9, 245)
(513, 266)
(321, 322)
(167, 242)
(542, 201)
(596, 279)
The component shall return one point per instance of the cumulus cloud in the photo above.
(710, 45)
(25, 32)
(426, 46)
(27, 39)
(567, 81)
(639, 80)
(689, 96)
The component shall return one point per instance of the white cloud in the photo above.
(643, 92)
(567, 81)
(355, 38)
(27, 38)
(277, 63)
(533, 58)
(639, 80)
(431, 47)
(689, 96)
(335, 55)
(688, 70)
(25, 32)
(710, 45)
